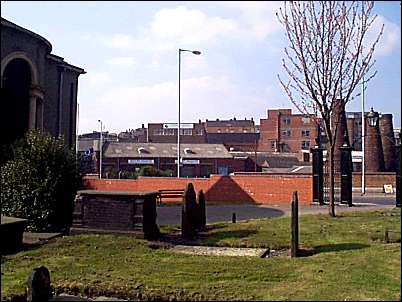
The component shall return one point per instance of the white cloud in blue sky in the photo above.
(129, 50)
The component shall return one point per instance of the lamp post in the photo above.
(363, 135)
(100, 150)
(195, 52)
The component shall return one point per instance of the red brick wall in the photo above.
(266, 189)
(375, 179)
(262, 189)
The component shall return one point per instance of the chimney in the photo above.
(338, 117)
(142, 126)
(388, 142)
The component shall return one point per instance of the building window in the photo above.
(286, 132)
(305, 120)
(186, 131)
(158, 132)
(273, 144)
(305, 133)
(305, 145)
(286, 120)
(168, 131)
(199, 132)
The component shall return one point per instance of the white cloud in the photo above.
(189, 26)
(97, 79)
(125, 106)
(171, 28)
(390, 39)
(258, 18)
(122, 61)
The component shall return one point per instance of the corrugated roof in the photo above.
(152, 150)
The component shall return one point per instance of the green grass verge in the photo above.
(351, 263)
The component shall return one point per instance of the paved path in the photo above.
(169, 215)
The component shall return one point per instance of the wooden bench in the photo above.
(165, 194)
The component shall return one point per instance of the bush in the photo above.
(39, 183)
(152, 171)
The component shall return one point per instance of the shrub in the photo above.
(39, 183)
(152, 171)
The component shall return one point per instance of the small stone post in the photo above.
(294, 225)
(233, 217)
(38, 285)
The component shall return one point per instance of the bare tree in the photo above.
(325, 60)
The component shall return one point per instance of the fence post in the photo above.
(346, 171)
(294, 225)
(318, 173)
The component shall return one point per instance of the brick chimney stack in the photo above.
(388, 142)
(338, 117)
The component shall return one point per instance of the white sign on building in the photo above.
(141, 161)
(189, 161)
(182, 126)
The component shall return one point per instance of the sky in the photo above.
(130, 53)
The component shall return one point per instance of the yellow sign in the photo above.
(388, 189)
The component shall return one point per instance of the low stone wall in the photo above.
(12, 230)
(116, 210)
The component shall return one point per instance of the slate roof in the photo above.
(152, 150)
(270, 160)
(86, 144)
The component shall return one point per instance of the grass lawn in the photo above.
(351, 262)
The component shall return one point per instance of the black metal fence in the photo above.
(327, 183)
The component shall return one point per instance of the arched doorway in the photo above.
(15, 103)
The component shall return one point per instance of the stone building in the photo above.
(38, 88)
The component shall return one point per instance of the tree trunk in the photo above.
(331, 182)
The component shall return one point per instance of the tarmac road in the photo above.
(171, 215)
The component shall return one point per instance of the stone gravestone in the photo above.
(189, 212)
(38, 285)
(202, 218)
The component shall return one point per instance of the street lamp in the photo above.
(100, 150)
(372, 118)
(195, 52)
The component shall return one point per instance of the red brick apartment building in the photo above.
(283, 131)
